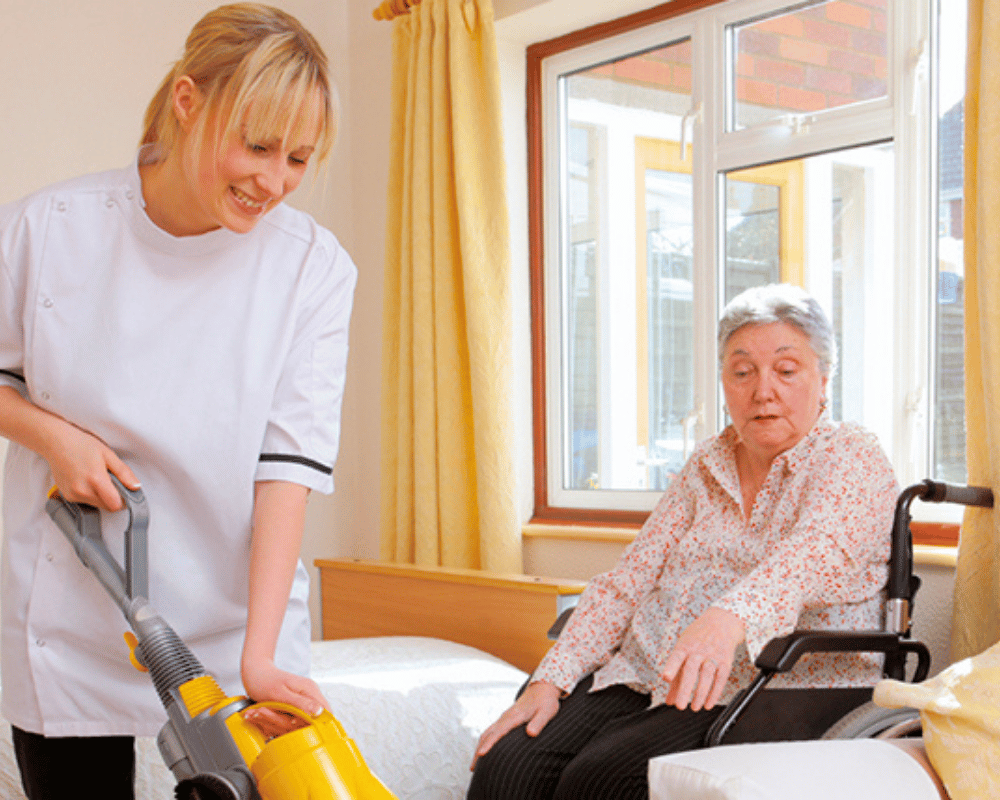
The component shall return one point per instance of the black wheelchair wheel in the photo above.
(869, 721)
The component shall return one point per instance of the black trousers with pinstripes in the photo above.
(597, 746)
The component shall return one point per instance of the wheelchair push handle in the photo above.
(902, 583)
(929, 492)
(901, 562)
(940, 492)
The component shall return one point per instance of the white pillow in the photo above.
(857, 769)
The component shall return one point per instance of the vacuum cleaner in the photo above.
(213, 752)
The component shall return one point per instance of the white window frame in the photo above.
(905, 115)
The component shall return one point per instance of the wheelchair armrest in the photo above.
(560, 623)
(782, 653)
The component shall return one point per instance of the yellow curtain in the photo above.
(448, 493)
(976, 622)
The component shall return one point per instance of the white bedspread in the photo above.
(414, 706)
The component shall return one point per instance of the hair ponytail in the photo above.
(157, 110)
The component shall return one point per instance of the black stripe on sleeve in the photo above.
(306, 462)
(13, 375)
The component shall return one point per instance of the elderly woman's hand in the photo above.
(536, 706)
(699, 665)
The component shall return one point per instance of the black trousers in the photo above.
(597, 746)
(68, 768)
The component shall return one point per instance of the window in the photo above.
(679, 158)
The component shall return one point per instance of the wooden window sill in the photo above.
(934, 542)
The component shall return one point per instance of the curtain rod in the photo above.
(390, 9)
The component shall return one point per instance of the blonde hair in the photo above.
(259, 69)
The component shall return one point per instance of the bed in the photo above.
(415, 662)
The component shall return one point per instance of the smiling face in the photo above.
(237, 182)
(234, 180)
(217, 178)
(773, 387)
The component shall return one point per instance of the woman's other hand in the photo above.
(699, 665)
(266, 682)
(536, 706)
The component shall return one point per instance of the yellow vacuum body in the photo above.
(213, 751)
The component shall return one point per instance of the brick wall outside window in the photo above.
(822, 57)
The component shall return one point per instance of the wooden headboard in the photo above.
(505, 615)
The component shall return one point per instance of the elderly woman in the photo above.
(781, 521)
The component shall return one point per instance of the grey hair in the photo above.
(781, 302)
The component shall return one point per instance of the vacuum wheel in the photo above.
(869, 721)
(232, 784)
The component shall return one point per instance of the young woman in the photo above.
(174, 324)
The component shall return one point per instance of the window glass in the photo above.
(823, 222)
(669, 328)
(626, 270)
(818, 57)
(753, 233)
(583, 355)
(949, 396)
(673, 181)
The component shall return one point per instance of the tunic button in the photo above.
(47, 302)
(46, 396)
(40, 642)
(61, 206)
(129, 194)
(49, 556)
(110, 203)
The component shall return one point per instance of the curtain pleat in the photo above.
(448, 494)
(976, 615)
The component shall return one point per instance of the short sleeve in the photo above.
(14, 252)
(303, 430)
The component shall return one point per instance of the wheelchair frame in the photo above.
(781, 654)
(861, 719)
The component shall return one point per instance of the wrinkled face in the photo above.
(773, 386)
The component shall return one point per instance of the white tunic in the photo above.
(207, 363)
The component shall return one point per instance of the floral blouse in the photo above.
(812, 554)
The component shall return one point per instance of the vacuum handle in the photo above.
(136, 540)
(81, 524)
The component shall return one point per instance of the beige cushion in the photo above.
(960, 713)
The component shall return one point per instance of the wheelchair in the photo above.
(759, 714)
